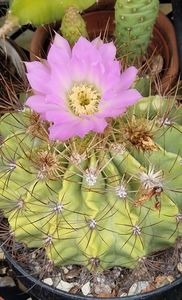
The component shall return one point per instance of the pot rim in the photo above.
(48, 30)
(143, 296)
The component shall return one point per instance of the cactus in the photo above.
(143, 85)
(73, 25)
(39, 12)
(134, 24)
(104, 200)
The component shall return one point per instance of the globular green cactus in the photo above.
(134, 24)
(105, 200)
(73, 25)
(143, 85)
(39, 12)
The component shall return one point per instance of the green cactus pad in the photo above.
(44, 11)
(39, 12)
(102, 201)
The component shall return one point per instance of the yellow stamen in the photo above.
(84, 98)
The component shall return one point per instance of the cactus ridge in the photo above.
(134, 24)
(101, 201)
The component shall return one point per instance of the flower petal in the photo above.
(60, 117)
(62, 133)
(41, 103)
(112, 107)
(83, 50)
(92, 65)
(99, 125)
(128, 77)
(65, 131)
(38, 75)
(61, 80)
(107, 50)
(37, 103)
(97, 42)
(62, 43)
(59, 51)
(56, 100)
(78, 127)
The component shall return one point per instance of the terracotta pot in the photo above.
(102, 23)
(102, 5)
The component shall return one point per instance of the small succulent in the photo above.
(134, 24)
(91, 172)
(73, 26)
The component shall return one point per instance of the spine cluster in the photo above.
(101, 201)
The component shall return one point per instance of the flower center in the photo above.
(84, 98)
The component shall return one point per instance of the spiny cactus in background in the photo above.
(73, 25)
(104, 200)
(134, 24)
(39, 12)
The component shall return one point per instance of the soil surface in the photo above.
(152, 272)
(9, 286)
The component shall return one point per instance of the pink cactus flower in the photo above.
(77, 90)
